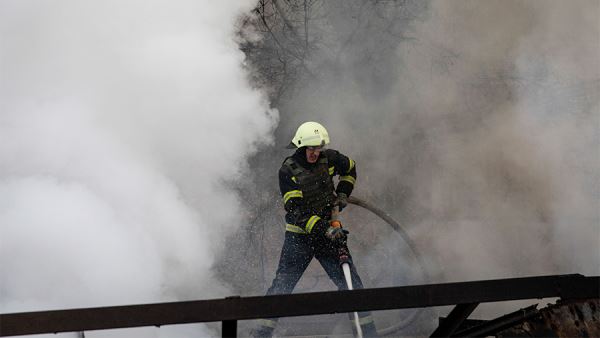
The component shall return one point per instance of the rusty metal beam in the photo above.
(239, 308)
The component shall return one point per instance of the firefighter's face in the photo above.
(312, 154)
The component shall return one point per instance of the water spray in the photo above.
(344, 256)
(346, 268)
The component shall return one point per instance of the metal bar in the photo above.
(239, 308)
(468, 323)
(229, 329)
(456, 317)
(494, 326)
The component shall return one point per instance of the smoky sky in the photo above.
(121, 124)
(506, 97)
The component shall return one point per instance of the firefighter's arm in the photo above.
(346, 169)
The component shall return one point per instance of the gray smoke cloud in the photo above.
(483, 131)
(475, 124)
(507, 97)
(122, 128)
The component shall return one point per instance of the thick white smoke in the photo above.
(122, 126)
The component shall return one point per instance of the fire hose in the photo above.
(413, 248)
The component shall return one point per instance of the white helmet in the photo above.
(310, 134)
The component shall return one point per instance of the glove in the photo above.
(341, 201)
(336, 234)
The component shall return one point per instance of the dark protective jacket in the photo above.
(308, 189)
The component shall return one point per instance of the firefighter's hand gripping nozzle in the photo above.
(339, 237)
(343, 253)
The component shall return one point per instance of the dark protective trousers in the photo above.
(297, 253)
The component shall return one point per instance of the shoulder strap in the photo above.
(292, 166)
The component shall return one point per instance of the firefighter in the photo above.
(309, 197)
